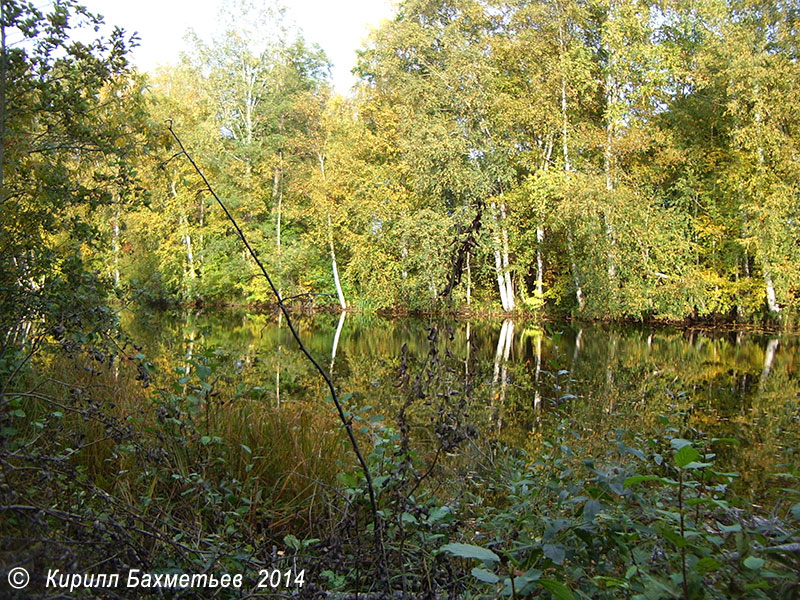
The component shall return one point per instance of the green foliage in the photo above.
(627, 522)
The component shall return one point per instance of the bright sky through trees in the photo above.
(339, 27)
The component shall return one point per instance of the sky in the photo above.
(339, 26)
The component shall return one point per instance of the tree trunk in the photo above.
(506, 265)
(500, 240)
(567, 164)
(772, 299)
(539, 262)
(187, 238)
(608, 163)
(115, 243)
(188, 269)
(277, 199)
(498, 260)
(469, 280)
(335, 269)
(537, 396)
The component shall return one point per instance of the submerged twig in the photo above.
(303, 349)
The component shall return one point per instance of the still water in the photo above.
(516, 380)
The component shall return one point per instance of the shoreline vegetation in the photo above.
(770, 325)
(598, 159)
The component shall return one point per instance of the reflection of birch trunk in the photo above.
(537, 396)
(769, 357)
(501, 357)
(466, 359)
(189, 349)
(278, 368)
(612, 351)
(576, 353)
(336, 340)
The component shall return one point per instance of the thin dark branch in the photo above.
(304, 350)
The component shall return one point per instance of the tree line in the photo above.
(602, 158)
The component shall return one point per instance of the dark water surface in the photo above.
(519, 379)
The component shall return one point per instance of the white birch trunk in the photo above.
(498, 260)
(469, 280)
(568, 166)
(187, 240)
(506, 265)
(115, 245)
(539, 262)
(772, 299)
(537, 396)
(335, 269)
(608, 160)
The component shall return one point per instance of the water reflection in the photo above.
(519, 376)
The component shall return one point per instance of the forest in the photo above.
(579, 165)
(603, 160)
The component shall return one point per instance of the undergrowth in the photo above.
(107, 468)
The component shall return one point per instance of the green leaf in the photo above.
(347, 479)
(246, 448)
(685, 456)
(441, 513)
(697, 465)
(484, 575)
(203, 371)
(707, 565)
(611, 581)
(642, 478)
(678, 443)
(554, 552)
(751, 562)
(292, 542)
(558, 589)
(470, 551)
(727, 440)
(205, 440)
(796, 511)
